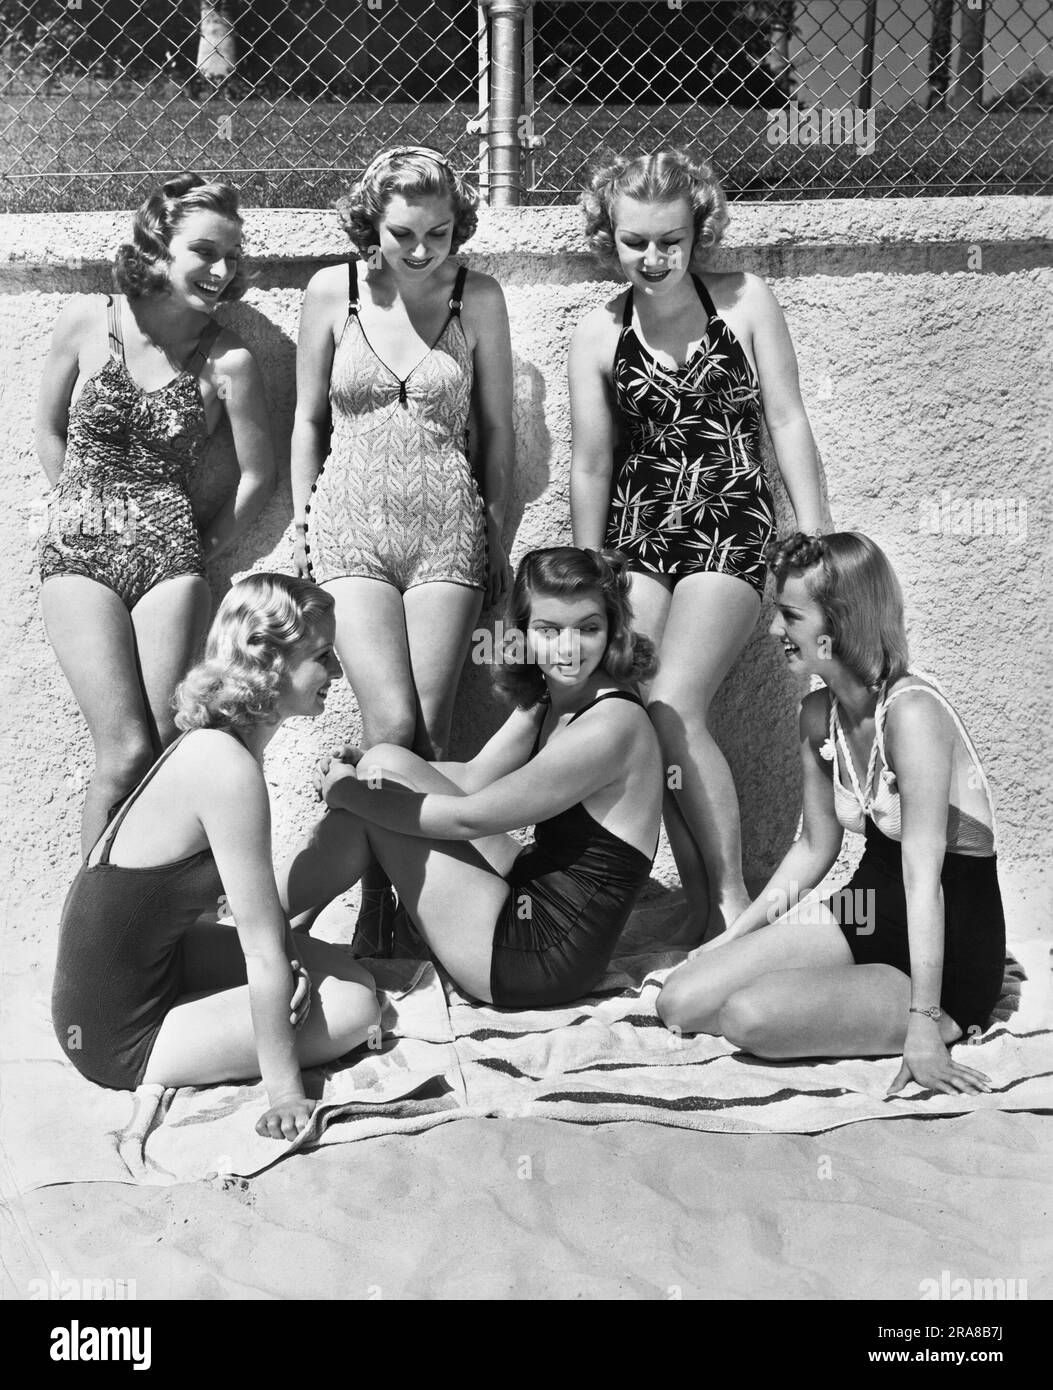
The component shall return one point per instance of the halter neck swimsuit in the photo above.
(572, 892)
(396, 499)
(872, 909)
(120, 513)
(691, 496)
(118, 971)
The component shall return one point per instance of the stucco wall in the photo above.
(920, 329)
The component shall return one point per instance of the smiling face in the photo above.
(309, 671)
(415, 237)
(800, 625)
(205, 255)
(654, 242)
(567, 637)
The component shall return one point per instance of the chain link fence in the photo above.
(291, 98)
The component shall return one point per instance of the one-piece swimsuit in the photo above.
(872, 909)
(396, 499)
(690, 496)
(119, 957)
(572, 892)
(120, 513)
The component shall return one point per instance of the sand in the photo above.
(541, 1210)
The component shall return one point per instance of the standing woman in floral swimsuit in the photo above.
(684, 363)
(134, 385)
(399, 349)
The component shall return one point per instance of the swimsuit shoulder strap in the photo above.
(457, 298)
(352, 287)
(704, 295)
(937, 694)
(197, 359)
(110, 832)
(113, 327)
(610, 695)
(627, 312)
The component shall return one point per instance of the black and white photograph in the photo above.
(526, 746)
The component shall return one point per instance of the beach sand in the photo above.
(541, 1210)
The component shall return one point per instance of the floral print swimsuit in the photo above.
(691, 496)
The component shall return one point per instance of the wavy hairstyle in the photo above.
(257, 627)
(662, 177)
(414, 172)
(563, 571)
(851, 580)
(140, 266)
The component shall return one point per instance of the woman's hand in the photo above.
(337, 763)
(287, 1118)
(927, 1061)
(499, 574)
(300, 1004)
(328, 781)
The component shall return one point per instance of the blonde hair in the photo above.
(851, 580)
(259, 623)
(662, 177)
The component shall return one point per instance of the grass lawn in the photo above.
(87, 150)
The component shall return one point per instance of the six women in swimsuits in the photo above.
(617, 646)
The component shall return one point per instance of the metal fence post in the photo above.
(506, 102)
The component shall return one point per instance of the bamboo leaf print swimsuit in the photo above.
(691, 497)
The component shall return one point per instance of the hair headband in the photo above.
(385, 155)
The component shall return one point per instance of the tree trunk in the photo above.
(940, 54)
(969, 88)
(217, 49)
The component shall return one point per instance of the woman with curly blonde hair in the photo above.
(680, 367)
(908, 957)
(399, 349)
(577, 759)
(146, 994)
(134, 386)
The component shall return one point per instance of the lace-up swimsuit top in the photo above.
(120, 513)
(880, 801)
(396, 499)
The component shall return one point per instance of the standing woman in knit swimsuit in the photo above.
(134, 386)
(908, 958)
(399, 349)
(684, 362)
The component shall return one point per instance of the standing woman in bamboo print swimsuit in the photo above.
(684, 362)
(403, 346)
(134, 385)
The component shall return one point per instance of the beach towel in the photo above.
(604, 1059)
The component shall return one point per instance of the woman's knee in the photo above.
(391, 757)
(685, 1006)
(396, 726)
(124, 761)
(745, 1021)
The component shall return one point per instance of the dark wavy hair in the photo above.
(257, 627)
(140, 265)
(852, 581)
(414, 172)
(661, 177)
(564, 571)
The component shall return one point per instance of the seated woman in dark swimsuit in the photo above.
(909, 956)
(578, 759)
(146, 994)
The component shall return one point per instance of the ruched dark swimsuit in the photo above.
(871, 909)
(118, 971)
(691, 496)
(120, 513)
(572, 892)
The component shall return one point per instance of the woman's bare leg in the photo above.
(170, 622)
(209, 1037)
(439, 622)
(710, 621)
(94, 640)
(453, 890)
